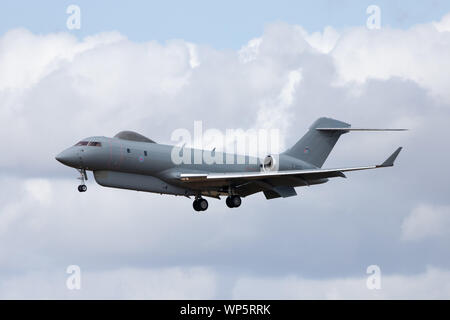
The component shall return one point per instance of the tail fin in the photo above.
(315, 146)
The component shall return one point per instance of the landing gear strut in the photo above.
(83, 177)
(200, 204)
(233, 201)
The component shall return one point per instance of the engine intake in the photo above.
(269, 163)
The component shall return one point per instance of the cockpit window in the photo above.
(89, 143)
(81, 143)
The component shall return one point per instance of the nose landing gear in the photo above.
(83, 177)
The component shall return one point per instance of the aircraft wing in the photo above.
(308, 174)
(357, 129)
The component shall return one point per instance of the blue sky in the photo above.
(221, 24)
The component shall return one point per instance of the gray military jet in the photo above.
(132, 161)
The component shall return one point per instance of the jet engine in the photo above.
(269, 163)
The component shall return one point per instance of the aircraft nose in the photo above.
(68, 157)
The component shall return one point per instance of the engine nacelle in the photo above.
(269, 163)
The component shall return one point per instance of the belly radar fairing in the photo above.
(132, 161)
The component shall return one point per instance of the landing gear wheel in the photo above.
(200, 204)
(195, 205)
(228, 202)
(236, 201)
(233, 201)
(83, 176)
(203, 204)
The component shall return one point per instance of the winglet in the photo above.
(390, 161)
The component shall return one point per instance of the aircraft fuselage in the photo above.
(150, 167)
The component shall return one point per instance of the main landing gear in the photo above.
(233, 201)
(83, 177)
(200, 204)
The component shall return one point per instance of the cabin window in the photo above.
(145, 153)
(81, 143)
(128, 150)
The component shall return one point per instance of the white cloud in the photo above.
(324, 41)
(193, 53)
(426, 221)
(417, 54)
(249, 52)
(39, 189)
(37, 218)
(203, 283)
(276, 113)
(444, 24)
(432, 284)
(26, 58)
(125, 283)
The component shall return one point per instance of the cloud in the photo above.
(426, 221)
(416, 54)
(203, 283)
(444, 24)
(126, 283)
(432, 284)
(39, 189)
(22, 68)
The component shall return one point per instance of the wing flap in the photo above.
(285, 191)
